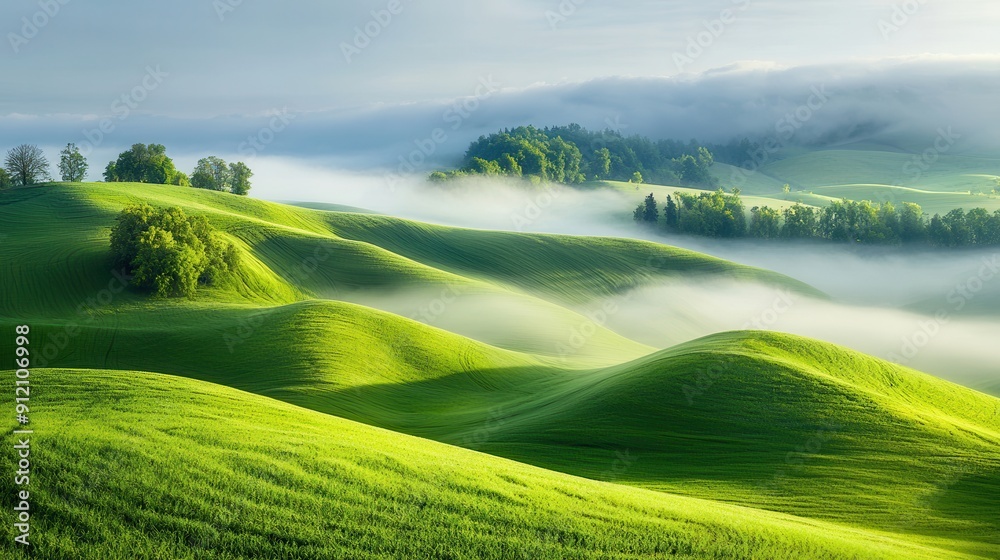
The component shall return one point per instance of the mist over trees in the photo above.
(723, 215)
(572, 154)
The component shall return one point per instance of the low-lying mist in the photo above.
(961, 349)
(883, 299)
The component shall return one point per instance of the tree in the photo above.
(72, 165)
(961, 233)
(212, 173)
(484, 167)
(800, 222)
(601, 164)
(786, 189)
(241, 175)
(169, 252)
(5, 181)
(670, 214)
(912, 227)
(180, 179)
(637, 178)
(142, 164)
(765, 222)
(510, 166)
(27, 165)
(650, 212)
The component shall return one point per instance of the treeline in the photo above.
(150, 164)
(723, 215)
(573, 154)
(27, 165)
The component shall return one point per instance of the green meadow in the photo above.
(300, 410)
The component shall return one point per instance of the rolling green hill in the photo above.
(946, 173)
(880, 459)
(294, 254)
(756, 419)
(135, 465)
(932, 202)
(818, 176)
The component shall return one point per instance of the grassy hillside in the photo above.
(769, 421)
(932, 202)
(757, 419)
(788, 423)
(133, 465)
(947, 173)
(873, 173)
(661, 192)
(57, 258)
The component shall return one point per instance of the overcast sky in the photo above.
(211, 70)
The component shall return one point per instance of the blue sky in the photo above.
(375, 76)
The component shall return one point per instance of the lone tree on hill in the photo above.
(27, 165)
(72, 165)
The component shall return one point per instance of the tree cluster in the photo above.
(170, 253)
(573, 154)
(150, 164)
(723, 215)
(215, 174)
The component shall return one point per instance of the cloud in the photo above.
(901, 103)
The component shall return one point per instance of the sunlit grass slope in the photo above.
(566, 267)
(56, 258)
(758, 419)
(785, 422)
(130, 465)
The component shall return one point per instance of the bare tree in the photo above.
(27, 165)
